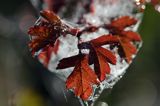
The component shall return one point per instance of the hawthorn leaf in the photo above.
(127, 49)
(126, 38)
(132, 36)
(103, 56)
(101, 66)
(41, 37)
(123, 22)
(104, 39)
(69, 62)
(40, 31)
(108, 55)
(51, 17)
(82, 78)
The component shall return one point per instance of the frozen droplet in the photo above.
(85, 51)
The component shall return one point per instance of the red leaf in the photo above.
(117, 27)
(69, 62)
(101, 66)
(40, 31)
(127, 48)
(46, 33)
(41, 37)
(82, 78)
(51, 17)
(132, 36)
(123, 22)
(108, 55)
(99, 56)
(102, 56)
(104, 39)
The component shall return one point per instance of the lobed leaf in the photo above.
(127, 48)
(104, 39)
(132, 36)
(123, 22)
(82, 78)
(69, 62)
(101, 67)
(51, 17)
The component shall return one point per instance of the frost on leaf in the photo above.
(41, 37)
(82, 78)
(44, 35)
(101, 56)
(47, 30)
(127, 48)
(122, 22)
(51, 17)
(100, 62)
(104, 40)
(87, 51)
(126, 37)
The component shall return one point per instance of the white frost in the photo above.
(104, 11)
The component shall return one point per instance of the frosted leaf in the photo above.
(104, 12)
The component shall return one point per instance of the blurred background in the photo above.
(25, 82)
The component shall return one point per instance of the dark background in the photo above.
(25, 82)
